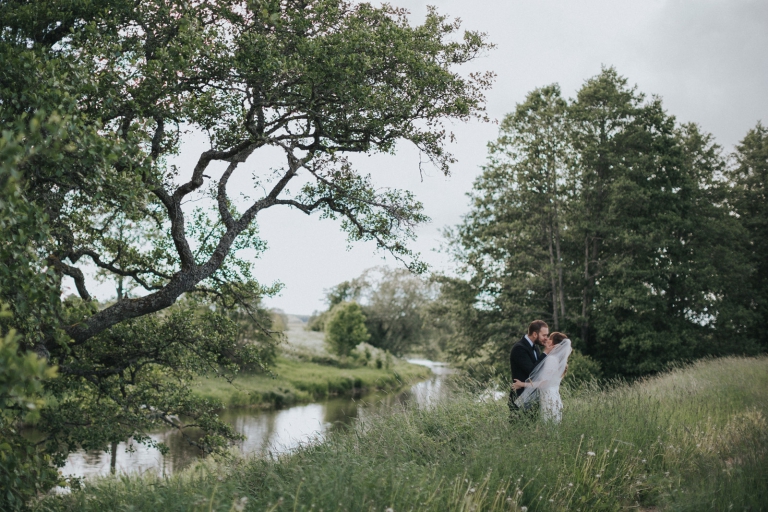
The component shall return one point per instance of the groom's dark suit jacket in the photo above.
(523, 361)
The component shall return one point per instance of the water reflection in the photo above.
(266, 433)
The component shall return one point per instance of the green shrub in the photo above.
(345, 328)
(582, 369)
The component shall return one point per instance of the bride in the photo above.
(544, 382)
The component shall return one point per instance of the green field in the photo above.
(295, 381)
(692, 439)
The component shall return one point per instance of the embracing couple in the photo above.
(536, 374)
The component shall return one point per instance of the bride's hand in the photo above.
(517, 385)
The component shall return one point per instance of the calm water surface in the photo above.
(266, 432)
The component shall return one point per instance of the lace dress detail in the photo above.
(551, 404)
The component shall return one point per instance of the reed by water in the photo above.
(694, 438)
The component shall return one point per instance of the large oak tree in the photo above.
(108, 89)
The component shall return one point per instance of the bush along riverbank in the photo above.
(692, 439)
(297, 381)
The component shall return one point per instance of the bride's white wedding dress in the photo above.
(544, 383)
(551, 404)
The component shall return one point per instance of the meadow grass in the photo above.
(294, 381)
(692, 439)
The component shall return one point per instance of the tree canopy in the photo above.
(95, 98)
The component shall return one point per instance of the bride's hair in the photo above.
(557, 337)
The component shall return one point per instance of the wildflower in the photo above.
(519, 492)
(523, 509)
(471, 490)
(390, 509)
(643, 461)
(597, 475)
(509, 500)
(666, 473)
(570, 484)
(591, 454)
(240, 504)
(639, 451)
(551, 500)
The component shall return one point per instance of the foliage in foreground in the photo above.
(24, 469)
(692, 439)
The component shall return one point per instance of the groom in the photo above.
(526, 355)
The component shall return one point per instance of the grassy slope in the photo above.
(303, 381)
(693, 439)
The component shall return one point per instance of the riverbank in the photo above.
(306, 372)
(692, 439)
(295, 381)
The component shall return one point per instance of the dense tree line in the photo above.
(607, 218)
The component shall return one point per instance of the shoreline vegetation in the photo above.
(305, 371)
(691, 439)
(296, 381)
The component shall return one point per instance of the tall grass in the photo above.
(692, 439)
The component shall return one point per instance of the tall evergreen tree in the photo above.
(750, 203)
(510, 242)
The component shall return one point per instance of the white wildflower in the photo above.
(591, 454)
(239, 505)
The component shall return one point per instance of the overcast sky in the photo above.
(705, 58)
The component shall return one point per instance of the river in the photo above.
(266, 432)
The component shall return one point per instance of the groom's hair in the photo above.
(536, 326)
